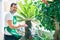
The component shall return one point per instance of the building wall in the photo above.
(6, 4)
(1, 21)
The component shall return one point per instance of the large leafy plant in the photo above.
(45, 13)
(49, 15)
(26, 10)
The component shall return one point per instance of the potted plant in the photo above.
(27, 12)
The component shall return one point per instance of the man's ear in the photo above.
(10, 8)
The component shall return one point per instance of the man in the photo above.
(10, 32)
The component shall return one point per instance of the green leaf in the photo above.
(25, 1)
(20, 20)
(19, 17)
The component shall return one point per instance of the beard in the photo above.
(13, 11)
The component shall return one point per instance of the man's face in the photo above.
(14, 8)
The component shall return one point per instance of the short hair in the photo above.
(13, 4)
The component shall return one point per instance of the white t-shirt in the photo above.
(8, 16)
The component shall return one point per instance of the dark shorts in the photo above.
(10, 37)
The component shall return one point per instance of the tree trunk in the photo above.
(27, 30)
(56, 24)
(56, 30)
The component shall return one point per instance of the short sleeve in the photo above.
(8, 17)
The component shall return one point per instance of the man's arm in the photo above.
(12, 26)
